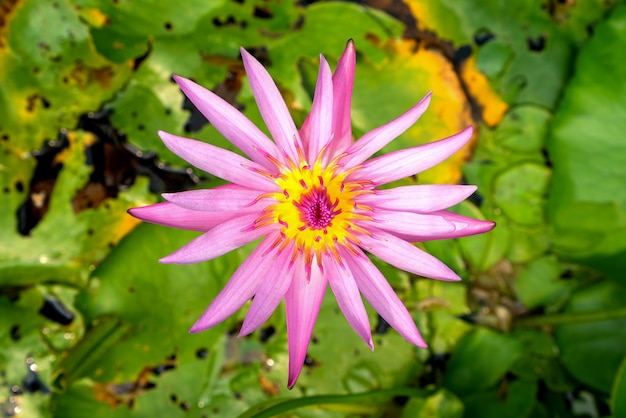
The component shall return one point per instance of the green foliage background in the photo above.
(92, 325)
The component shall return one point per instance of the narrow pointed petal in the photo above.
(272, 106)
(349, 299)
(375, 140)
(231, 123)
(469, 226)
(220, 240)
(240, 288)
(404, 163)
(463, 227)
(405, 256)
(173, 216)
(421, 198)
(219, 162)
(271, 291)
(343, 83)
(381, 296)
(227, 198)
(302, 304)
(408, 222)
(321, 117)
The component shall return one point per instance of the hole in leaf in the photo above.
(262, 12)
(310, 361)
(140, 59)
(55, 310)
(16, 333)
(202, 353)
(482, 36)
(536, 44)
(266, 333)
(382, 327)
(32, 383)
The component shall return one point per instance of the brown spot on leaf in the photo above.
(6, 9)
(269, 388)
(116, 394)
(83, 75)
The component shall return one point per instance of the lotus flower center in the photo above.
(316, 208)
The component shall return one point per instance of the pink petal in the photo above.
(271, 292)
(321, 116)
(381, 296)
(463, 227)
(404, 163)
(343, 82)
(375, 140)
(302, 304)
(348, 298)
(231, 123)
(421, 198)
(169, 214)
(240, 288)
(219, 162)
(272, 106)
(405, 255)
(220, 240)
(218, 199)
(408, 223)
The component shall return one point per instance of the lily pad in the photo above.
(530, 62)
(448, 112)
(52, 74)
(517, 401)
(602, 341)
(441, 404)
(63, 246)
(618, 394)
(587, 197)
(480, 360)
(520, 192)
(137, 332)
(539, 284)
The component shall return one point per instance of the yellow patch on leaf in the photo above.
(94, 17)
(492, 106)
(422, 70)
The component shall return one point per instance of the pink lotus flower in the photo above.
(312, 196)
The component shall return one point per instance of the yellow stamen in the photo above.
(316, 208)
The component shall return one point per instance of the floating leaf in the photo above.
(587, 197)
(530, 63)
(520, 192)
(480, 360)
(540, 361)
(517, 401)
(64, 244)
(52, 74)
(492, 106)
(539, 283)
(448, 112)
(441, 404)
(602, 341)
(138, 331)
(618, 394)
